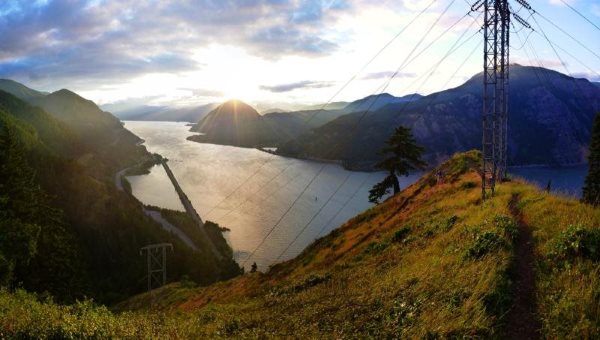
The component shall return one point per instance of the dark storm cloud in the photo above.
(107, 39)
(298, 85)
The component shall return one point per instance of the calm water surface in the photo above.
(563, 180)
(249, 191)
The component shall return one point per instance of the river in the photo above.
(260, 196)
(249, 191)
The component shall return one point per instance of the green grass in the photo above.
(431, 262)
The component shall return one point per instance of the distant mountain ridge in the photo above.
(376, 102)
(19, 90)
(550, 119)
(167, 113)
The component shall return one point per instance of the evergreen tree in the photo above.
(402, 154)
(591, 188)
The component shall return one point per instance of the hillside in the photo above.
(431, 262)
(376, 102)
(235, 123)
(550, 116)
(19, 90)
(65, 229)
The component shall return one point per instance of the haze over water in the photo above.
(209, 174)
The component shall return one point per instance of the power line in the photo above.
(354, 130)
(535, 69)
(284, 214)
(566, 33)
(334, 96)
(581, 15)
(451, 50)
(572, 56)
(314, 216)
(358, 188)
(560, 58)
(432, 69)
(261, 189)
(371, 60)
(407, 57)
(241, 184)
(433, 97)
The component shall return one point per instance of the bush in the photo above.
(484, 244)
(401, 234)
(577, 241)
(507, 224)
(375, 248)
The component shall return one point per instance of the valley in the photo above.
(265, 169)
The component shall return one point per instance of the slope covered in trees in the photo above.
(65, 228)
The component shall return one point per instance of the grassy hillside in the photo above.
(433, 261)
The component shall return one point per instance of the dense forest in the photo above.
(64, 228)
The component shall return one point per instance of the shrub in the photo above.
(311, 281)
(507, 224)
(375, 247)
(577, 241)
(401, 234)
(468, 185)
(484, 244)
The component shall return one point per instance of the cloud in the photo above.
(593, 77)
(202, 92)
(387, 74)
(123, 38)
(297, 85)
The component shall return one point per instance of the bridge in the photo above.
(189, 208)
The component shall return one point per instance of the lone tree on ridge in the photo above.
(402, 154)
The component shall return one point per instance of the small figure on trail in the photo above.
(440, 176)
(253, 268)
(316, 198)
(549, 186)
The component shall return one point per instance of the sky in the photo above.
(272, 53)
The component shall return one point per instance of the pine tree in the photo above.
(402, 154)
(591, 188)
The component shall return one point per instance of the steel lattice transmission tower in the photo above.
(495, 93)
(156, 257)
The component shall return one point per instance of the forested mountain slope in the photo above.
(550, 116)
(65, 228)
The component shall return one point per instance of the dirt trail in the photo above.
(522, 322)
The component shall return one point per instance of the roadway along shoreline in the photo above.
(189, 208)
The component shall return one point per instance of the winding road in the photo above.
(157, 216)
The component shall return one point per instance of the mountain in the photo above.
(235, 123)
(167, 113)
(65, 229)
(376, 102)
(432, 262)
(19, 90)
(550, 119)
(292, 124)
(330, 106)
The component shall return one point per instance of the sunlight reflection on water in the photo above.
(209, 174)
